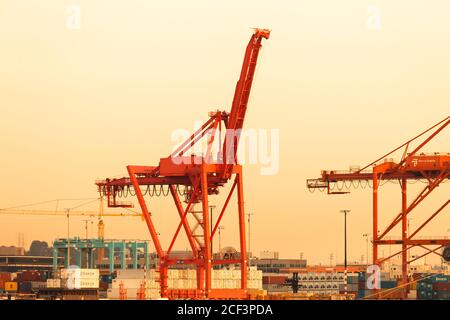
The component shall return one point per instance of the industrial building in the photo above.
(23, 263)
(277, 265)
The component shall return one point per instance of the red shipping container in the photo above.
(6, 276)
(441, 286)
(104, 286)
(2, 284)
(274, 279)
(29, 276)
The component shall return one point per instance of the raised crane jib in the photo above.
(236, 118)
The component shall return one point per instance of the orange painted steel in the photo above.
(201, 177)
(433, 169)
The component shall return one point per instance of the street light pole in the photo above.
(366, 235)
(220, 243)
(68, 238)
(345, 250)
(87, 237)
(249, 234)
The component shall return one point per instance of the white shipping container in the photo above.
(114, 294)
(131, 294)
(151, 283)
(130, 274)
(173, 273)
(192, 274)
(53, 283)
(236, 274)
(152, 274)
(72, 283)
(80, 273)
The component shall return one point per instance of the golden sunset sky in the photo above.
(79, 105)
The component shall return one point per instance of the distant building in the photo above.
(269, 255)
(11, 251)
(396, 270)
(23, 263)
(276, 265)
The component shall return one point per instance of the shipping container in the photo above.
(440, 278)
(130, 273)
(441, 286)
(441, 295)
(36, 285)
(274, 279)
(360, 294)
(352, 279)
(351, 287)
(127, 283)
(80, 273)
(424, 295)
(29, 276)
(53, 283)
(362, 276)
(132, 294)
(6, 276)
(11, 286)
(74, 283)
(25, 287)
(387, 284)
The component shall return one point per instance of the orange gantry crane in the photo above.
(201, 177)
(433, 169)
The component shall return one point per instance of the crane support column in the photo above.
(241, 212)
(404, 238)
(206, 229)
(375, 219)
(111, 257)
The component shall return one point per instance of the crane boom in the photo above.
(236, 118)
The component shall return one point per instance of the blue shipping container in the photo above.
(352, 280)
(388, 284)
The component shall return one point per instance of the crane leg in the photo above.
(206, 230)
(240, 190)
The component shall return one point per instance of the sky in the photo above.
(342, 82)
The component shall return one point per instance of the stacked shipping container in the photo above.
(433, 287)
(131, 280)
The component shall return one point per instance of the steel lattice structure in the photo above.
(433, 169)
(201, 177)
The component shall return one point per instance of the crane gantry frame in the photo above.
(202, 176)
(434, 169)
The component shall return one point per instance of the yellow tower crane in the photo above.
(68, 212)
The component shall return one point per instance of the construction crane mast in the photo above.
(201, 177)
(432, 169)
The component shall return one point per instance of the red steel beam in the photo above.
(425, 254)
(132, 172)
(429, 219)
(183, 222)
(415, 242)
